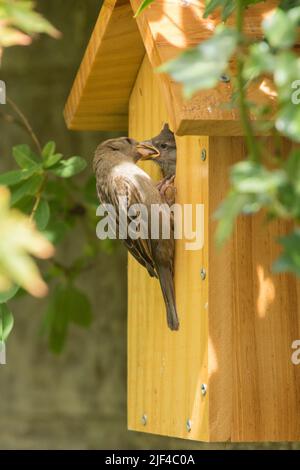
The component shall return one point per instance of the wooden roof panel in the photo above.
(101, 91)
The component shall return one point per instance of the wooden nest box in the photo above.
(227, 375)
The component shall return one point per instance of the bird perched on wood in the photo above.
(118, 176)
(161, 150)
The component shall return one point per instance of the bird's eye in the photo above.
(163, 146)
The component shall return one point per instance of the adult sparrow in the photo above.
(118, 176)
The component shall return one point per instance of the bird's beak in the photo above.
(147, 151)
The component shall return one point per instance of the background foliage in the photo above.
(44, 205)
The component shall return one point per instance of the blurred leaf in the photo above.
(259, 61)
(251, 177)
(26, 204)
(290, 258)
(56, 231)
(56, 189)
(90, 193)
(69, 167)
(52, 160)
(144, 4)
(48, 150)
(30, 187)
(288, 121)
(68, 304)
(280, 28)
(228, 7)
(288, 4)
(56, 321)
(42, 214)
(23, 156)
(6, 322)
(293, 166)
(18, 240)
(21, 15)
(14, 177)
(79, 307)
(201, 67)
(6, 296)
(12, 37)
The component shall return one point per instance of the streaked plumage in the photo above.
(117, 175)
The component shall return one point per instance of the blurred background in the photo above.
(75, 400)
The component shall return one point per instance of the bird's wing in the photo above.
(139, 248)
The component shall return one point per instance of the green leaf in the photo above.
(6, 296)
(14, 177)
(70, 167)
(280, 29)
(79, 307)
(23, 156)
(48, 150)
(289, 261)
(42, 214)
(56, 231)
(52, 160)
(292, 167)
(259, 61)
(30, 187)
(251, 177)
(90, 193)
(56, 321)
(288, 121)
(201, 67)
(227, 8)
(68, 304)
(288, 4)
(144, 4)
(22, 15)
(6, 322)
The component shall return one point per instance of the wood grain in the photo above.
(254, 316)
(166, 369)
(167, 28)
(237, 326)
(100, 93)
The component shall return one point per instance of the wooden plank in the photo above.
(254, 316)
(237, 326)
(107, 73)
(166, 369)
(170, 27)
(100, 94)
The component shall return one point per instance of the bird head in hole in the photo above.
(160, 148)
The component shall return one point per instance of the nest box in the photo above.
(227, 375)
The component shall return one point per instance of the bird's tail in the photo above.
(167, 287)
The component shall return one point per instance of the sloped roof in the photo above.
(100, 94)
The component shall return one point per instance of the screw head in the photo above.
(224, 78)
(203, 389)
(203, 274)
(203, 155)
(189, 425)
(144, 420)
